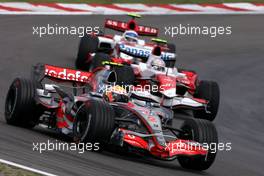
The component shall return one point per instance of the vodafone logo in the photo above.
(66, 74)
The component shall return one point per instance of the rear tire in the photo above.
(98, 59)
(125, 75)
(208, 90)
(20, 105)
(201, 131)
(94, 123)
(88, 45)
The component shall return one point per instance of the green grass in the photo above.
(7, 170)
(136, 1)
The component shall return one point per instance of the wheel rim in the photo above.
(83, 121)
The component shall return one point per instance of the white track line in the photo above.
(26, 168)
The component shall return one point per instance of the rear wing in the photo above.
(41, 71)
(131, 25)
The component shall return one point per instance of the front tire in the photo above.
(94, 123)
(208, 90)
(202, 131)
(20, 105)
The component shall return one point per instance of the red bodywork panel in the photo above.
(172, 148)
(123, 26)
(192, 79)
(166, 82)
(136, 141)
(67, 74)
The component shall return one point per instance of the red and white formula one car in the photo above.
(127, 45)
(105, 118)
(175, 88)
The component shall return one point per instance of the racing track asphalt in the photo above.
(236, 62)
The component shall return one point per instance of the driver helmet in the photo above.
(158, 64)
(131, 36)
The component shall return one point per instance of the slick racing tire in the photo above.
(172, 49)
(204, 132)
(20, 105)
(125, 75)
(88, 45)
(94, 123)
(208, 90)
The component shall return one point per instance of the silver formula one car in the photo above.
(107, 118)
